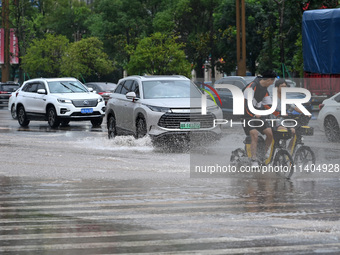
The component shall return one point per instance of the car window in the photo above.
(239, 84)
(126, 87)
(9, 87)
(107, 87)
(223, 89)
(135, 88)
(31, 87)
(40, 86)
(170, 89)
(91, 86)
(236, 83)
(119, 87)
(337, 98)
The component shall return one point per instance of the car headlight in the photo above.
(158, 108)
(64, 101)
(100, 100)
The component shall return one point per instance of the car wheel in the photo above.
(111, 127)
(97, 122)
(52, 117)
(332, 129)
(13, 112)
(22, 118)
(140, 128)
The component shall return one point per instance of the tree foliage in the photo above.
(205, 29)
(43, 57)
(55, 56)
(86, 58)
(159, 54)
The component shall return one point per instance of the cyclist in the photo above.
(261, 101)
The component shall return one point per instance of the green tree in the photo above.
(86, 58)
(159, 54)
(121, 23)
(65, 17)
(43, 57)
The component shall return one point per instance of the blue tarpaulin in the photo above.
(321, 41)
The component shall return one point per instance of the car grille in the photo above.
(79, 114)
(85, 103)
(173, 120)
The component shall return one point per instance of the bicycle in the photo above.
(281, 159)
(302, 154)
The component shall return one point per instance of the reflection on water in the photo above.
(46, 216)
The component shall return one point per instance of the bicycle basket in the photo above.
(305, 130)
(282, 134)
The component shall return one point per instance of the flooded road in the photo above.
(73, 191)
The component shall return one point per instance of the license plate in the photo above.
(190, 125)
(86, 110)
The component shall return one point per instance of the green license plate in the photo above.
(190, 125)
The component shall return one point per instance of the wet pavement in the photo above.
(73, 191)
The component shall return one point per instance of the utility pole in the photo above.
(5, 24)
(241, 37)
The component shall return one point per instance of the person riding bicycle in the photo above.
(261, 101)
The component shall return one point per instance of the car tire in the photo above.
(97, 122)
(22, 117)
(111, 127)
(13, 112)
(141, 130)
(332, 130)
(52, 117)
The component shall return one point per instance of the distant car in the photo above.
(6, 90)
(105, 89)
(329, 118)
(163, 107)
(225, 94)
(58, 100)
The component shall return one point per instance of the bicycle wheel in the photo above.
(304, 156)
(283, 164)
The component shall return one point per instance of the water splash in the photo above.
(128, 143)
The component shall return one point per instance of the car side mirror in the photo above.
(42, 91)
(131, 96)
(90, 89)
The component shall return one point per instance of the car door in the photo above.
(125, 117)
(27, 96)
(119, 103)
(129, 108)
(40, 99)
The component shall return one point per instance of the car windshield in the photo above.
(66, 87)
(9, 88)
(170, 89)
(108, 87)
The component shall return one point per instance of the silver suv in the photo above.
(160, 106)
(58, 100)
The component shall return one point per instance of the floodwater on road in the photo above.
(73, 191)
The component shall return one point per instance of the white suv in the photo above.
(58, 100)
(162, 107)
